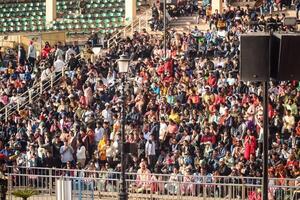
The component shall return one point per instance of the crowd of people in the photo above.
(187, 111)
(16, 75)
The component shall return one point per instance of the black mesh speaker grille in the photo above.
(255, 57)
(289, 58)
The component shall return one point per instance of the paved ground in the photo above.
(115, 197)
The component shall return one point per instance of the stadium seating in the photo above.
(102, 15)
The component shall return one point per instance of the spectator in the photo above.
(66, 152)
(191, 107)
(150, 153)
(81, 153)
(31, 54)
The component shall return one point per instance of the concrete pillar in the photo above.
(130, 11)
(216, 5)
(50, 10)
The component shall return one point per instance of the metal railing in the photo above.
(94, 184)
(30, 95)
(137, 24)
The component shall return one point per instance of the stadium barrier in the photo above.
(86, 184)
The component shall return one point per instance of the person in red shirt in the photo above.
(194, 98)
(161, 68)
(219, 99)
(250, 145)
(46, 50)
(208, 137)
(212, 80)
(168, 67)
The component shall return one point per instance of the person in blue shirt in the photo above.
(6, 151)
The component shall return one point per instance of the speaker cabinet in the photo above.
(285, 57)
(255, 57)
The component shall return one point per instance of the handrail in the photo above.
(29, 95)
(160, 186)
(45, 170)
(137, 24)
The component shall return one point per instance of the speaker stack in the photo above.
(263, 56)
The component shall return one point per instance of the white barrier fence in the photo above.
(84, 184)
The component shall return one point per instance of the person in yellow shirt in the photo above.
(174, 116)
(102, 146)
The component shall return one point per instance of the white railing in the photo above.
(137, 24)
(30, 95)
(86, 183)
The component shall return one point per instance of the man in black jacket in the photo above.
(141, 146)
(73, 62)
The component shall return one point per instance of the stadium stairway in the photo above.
(31, 95)
(186, 23)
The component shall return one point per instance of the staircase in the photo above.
(31, 95)
(183, 21)
(138, 24)
(186, 23)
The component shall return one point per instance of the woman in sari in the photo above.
(250, 145)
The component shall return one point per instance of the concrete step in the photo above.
(183, 20)
(180, 24)
(186, 18)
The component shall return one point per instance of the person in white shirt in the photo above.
(68, 54)
(163, 128)
(46, 74)
(107, 114)
(99, 131)
(150, 152)
(110, 78)
(59, 64)
(230, 80)
(59, 52)
(31, 54)
(81, 153)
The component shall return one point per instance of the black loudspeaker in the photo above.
(255, 57)
(285, 57)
